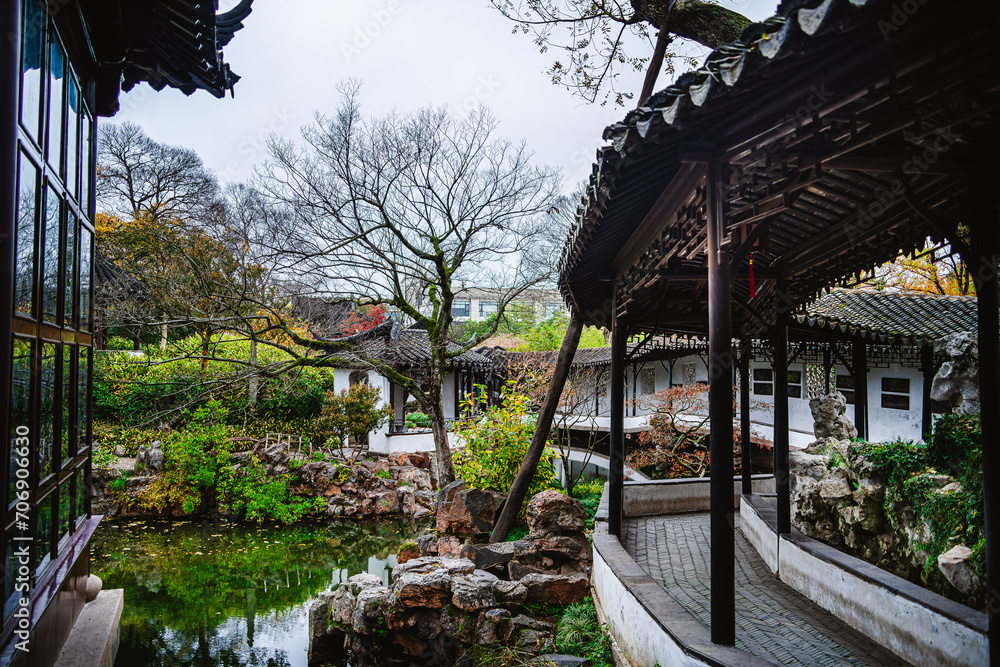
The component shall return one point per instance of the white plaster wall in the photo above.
(760, 535)
(911, 631)
(885, 424)
(638, 635)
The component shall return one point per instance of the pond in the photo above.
(200, 594)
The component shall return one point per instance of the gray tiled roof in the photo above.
(882, 316)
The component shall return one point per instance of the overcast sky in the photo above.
(408, 53)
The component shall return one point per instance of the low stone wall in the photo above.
(919, 626)
(674, 496)
(648, 625)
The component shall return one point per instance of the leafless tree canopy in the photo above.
(396, 210)
(600, 39)
(141, 178)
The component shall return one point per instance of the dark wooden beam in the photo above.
(656, 220)
(616, 472)
(781, 474)
(859, 372)
(720, 411)
(859, 161)
(984, 229)
(927, 371)
(745, 451)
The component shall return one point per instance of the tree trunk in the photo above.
(702, 22)
(254, 380)
(163, 335)
(206, 338)
(519, 489)
(443, 461)
(653, 71)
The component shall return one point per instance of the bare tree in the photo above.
(598, 36)
(399, 211)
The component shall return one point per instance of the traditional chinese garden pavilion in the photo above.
(828, 140)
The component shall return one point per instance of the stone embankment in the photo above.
(460, 593)
(397, 485)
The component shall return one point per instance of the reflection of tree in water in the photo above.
(218, 594)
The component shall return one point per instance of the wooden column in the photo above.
(781, 476)
(827, 367)
(720, 414)
(9, 78)
(859, 372)
(984, 219)
(926, 407)
(745, 450)
(616, 472)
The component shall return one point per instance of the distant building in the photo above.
(476, 304)
(65, 64)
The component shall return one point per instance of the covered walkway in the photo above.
(773, 622)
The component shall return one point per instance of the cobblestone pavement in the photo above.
(773, 621)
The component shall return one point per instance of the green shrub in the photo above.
(579, 633)
(589, 495)
(418, 420)
(383, 474)
(250, 493)
(129, 439)
(495, 446)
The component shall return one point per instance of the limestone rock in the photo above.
(414, 589)
(955, 568)
(511, 591)
(341, 606)
(835, 486)
(367, 610)
(493, 626)
(575, 547)
(829, 420)
(487, 556)
(467, 512)
(361, 582)
(420, 459)
(554, 513)
(957, 381)
(473, 592)
(407, 552)
(415, 477)
(556, 588)
(432, 564)
(398, 458)
(119, 451)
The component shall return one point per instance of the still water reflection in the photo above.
(204, 593)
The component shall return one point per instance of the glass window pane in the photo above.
(50, 258)
(82, 405)
(762, 374)
(763, 389)
(65, 509)
(47, 410)
(57, 97)
(69, 272)
(795, 377)
(72, 135)
(898, 385)
(895, 401)
(43, 533)
(20, 411)
(86, 283)
(845, 382)
(86, 175)
(68, 413)
(24, 263)
(80, 506)
(16, 568)
(794, 391)
(32, 57)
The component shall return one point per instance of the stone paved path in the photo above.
(773, 621)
